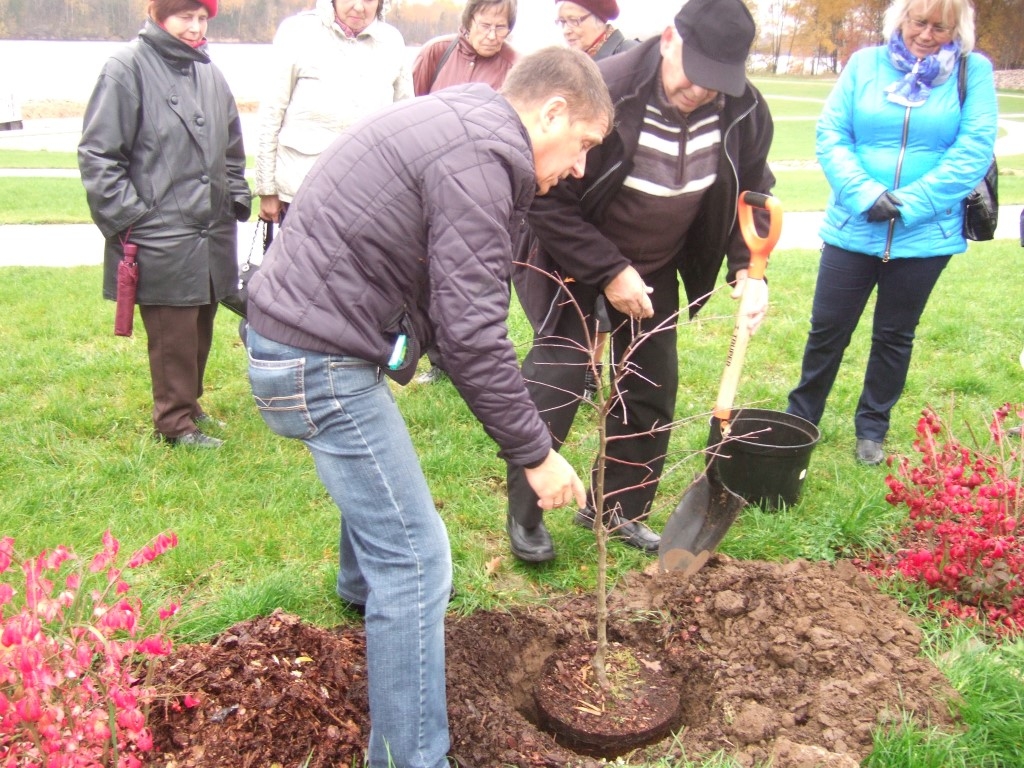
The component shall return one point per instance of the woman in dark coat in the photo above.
(586, 26)
(163, 166)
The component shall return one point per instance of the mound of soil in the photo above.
(794, 662)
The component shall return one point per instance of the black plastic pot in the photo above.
(765, 458)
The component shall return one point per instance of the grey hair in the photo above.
(511, 8)
(962, 12)
(560, 71)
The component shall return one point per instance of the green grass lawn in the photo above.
(258, 531)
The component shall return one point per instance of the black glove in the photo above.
(885, 208)
(241, 211)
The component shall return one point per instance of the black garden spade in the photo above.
(708, 508)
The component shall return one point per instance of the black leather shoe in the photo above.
(195, 439)
(632, 532)
(357, 608)
(869, 452)
(360, 608)
(432, 376)
(590, 386)
(531, 545)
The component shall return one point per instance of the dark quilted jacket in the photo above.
(406, 224)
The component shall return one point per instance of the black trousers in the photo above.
(846, 281)
(179, 341)
(643, 407)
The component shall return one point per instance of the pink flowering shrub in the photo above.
(965, 509)
(73, 657)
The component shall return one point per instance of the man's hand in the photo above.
(556, 483)
(629, 294)
(757, 302)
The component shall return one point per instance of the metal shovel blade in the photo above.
(699, 523)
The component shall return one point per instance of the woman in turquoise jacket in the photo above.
(900, 153)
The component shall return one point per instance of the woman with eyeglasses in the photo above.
(900, 153)
(477, 54)
(586, 26)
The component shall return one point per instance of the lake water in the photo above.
(36, 70)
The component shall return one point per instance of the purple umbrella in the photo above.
(127, 282)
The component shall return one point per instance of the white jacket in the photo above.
(317, 84)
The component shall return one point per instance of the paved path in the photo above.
(69, 245)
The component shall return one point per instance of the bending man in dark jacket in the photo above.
(657, 202)
(401, 238)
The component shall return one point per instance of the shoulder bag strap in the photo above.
(444, 58)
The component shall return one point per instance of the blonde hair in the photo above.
(961, 11)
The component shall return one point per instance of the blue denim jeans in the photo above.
(394, 551)
(846, 281)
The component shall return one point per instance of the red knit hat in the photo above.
(210, 5)
(606, 10)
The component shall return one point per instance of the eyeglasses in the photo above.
(920, 25)
(572, 21)
(499, 30)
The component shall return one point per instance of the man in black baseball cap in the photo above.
(656, 204)
(716, 40)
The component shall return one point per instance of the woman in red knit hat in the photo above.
(163, 166)
(586, 27)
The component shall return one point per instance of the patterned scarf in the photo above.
(349, 32)
(595, 46)
(922, 75)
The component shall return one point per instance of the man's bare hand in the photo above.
(629, 294)
(756, 303)
(556, 483)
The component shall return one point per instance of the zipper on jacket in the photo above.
(896, 183)
(598, 181)
(735, 174)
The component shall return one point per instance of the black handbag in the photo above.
(237, 302)
(981, 207)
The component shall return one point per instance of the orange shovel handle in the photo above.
(760, 248)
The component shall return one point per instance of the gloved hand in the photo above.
(884, 208)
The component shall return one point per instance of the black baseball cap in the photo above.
(717, 35)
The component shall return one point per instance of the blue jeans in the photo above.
(846, 281)
(394, 551)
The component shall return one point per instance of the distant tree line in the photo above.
(826, 30)
(829, 31)
(246, 21)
